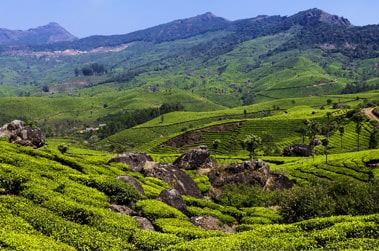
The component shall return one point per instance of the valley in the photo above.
(197, 134)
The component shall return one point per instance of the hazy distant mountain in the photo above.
(47, 34)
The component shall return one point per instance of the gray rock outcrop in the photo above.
(194, 159)
(211, 223)
(255, 173)
(298, 150)
(173, 198)
(17, 132)
(136, 161)
(175, 177)
(132, 181)
(145, 224)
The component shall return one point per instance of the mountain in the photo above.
(50, 33)
(230, 63)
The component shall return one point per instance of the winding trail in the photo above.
(370, 114)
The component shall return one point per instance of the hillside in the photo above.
(61, 201)
(251, 60)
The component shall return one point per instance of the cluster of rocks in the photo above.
(17, 132)
(301, 150)
(255, 173)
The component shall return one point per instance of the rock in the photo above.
(211, 223)
(133, 182)
(194, 159)
(298, 150)
(122, 209)
(315, 142)
(173, 198)
(136, 161)
(145, 223)
(18, 133)
(254, 173)
(278, 182)
(175, 177)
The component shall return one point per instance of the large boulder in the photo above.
(132, 181)
(136, 161)
(145, 224)
(173, 198)
(211, 223)
(255, 173)
(173, 176)
(298, 150)
(194, 159)
(17, 132)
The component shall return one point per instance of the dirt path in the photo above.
(370, 114)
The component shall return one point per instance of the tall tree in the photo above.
(341, 129)
(358, 118)
(251, 143)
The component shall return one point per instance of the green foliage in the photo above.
(184, 229)
(152, 241)
(118, 191)
(339, 198)
(240, 196)
(154, 209)
(62, 148)
(47, 203)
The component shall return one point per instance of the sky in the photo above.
(84, 18)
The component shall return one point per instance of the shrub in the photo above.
(302, 203)
(155, 209)
(263, 212)
(13, 183)
(152, 241)
(241, 195)
(184, 228)
(62, 148)
(118, 191)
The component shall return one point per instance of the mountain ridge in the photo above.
(177, 29)
(47, 34)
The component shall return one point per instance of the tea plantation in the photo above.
(55, 201)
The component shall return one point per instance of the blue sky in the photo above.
(105, 17)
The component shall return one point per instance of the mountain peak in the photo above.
(316, 15)
(50, 33)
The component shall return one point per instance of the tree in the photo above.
(216, 143)
(325, 143)
(341, 129)
(358, 118)
(63, 148)
(373, 142)
(251, 143)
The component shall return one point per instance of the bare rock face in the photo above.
(144, 223)
(211, 223)
(194, 159)
(18, 133)
(132, 181)
(278, 182)
(255, 173)
(175, 177)
(298, 150)
(122, 209)
(173, 198)
(136, 161)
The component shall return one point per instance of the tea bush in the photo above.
(155, 209)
